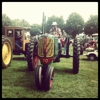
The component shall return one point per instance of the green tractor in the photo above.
(47, 50)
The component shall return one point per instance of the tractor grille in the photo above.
(49, 47)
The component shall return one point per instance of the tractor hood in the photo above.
(47, 45)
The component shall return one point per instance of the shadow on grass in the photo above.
(26, 79)
(22, 69)
(86, 59)
(63, 71)
(19, 58)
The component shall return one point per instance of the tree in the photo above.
(6, 21)
(74, 24)
(23, 23)
(91, 26)
(59, 20)
(35, 29)
(16, 22)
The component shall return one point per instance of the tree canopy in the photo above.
(53, 18)
(74, 24)
(36, 29)
(91, 26)
(6, 21)
(23, 23)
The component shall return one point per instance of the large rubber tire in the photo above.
(38, 77)
(92, 57)
(76, 53)
(49, 78)
(30, 54)
(7, 52)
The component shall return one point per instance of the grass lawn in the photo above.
(19, 82)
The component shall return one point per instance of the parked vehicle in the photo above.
(95, 37)
(92, 55)
(11, 45)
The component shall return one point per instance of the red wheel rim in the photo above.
(51, 80)
(35, 61)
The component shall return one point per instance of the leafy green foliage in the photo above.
(6, 21)
(59, 20)
(91, 26)
(74, 24)
(23, 23)
(16, 22)
(36, 29)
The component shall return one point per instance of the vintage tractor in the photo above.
(47, 50)
(9, 38)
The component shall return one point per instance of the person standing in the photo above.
(65, 43)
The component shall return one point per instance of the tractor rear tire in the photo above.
(6, 52)
(49, 78)
(76, 53)
(30, 55)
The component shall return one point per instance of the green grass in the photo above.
(18, 81)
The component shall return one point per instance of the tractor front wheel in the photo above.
(49, 77)
(38, 77)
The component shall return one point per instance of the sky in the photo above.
(32, 12)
